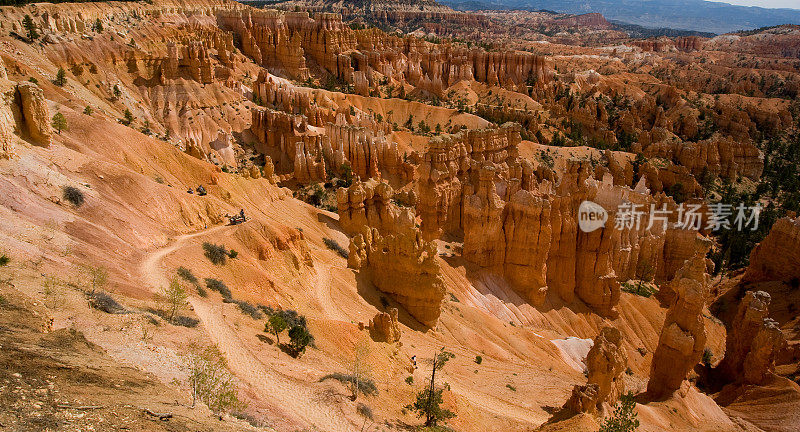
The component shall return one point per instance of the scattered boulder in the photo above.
(385, 326)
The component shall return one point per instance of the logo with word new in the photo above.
(591, 216)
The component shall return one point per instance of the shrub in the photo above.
(88, 110)
(187, 275)
(334, 246)
(365, 385)
(211, 382)
(641, 289)
(252, 420)
(175, 296)
(410, 380)
(184, 321)
(249, 309)
(365, 411)
(624, 417)
(215, 253)
(708, 357)
(4, 259)
(104, 302)
(218, 286)
(127, 117)
(299, 338)
(232, 254)
(511, 387)
(478, 359)
(73, 195)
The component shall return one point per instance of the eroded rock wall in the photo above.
(754, 340)
(777, 257)
(405, 267)
(606, 363)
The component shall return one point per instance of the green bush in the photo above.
(624, 417)
(104, 302)
(215, 253)
(249, 309)
(478, 359)
(72, 195)
(299, 338)
(187, 275)
(218, 286)
(708, 357)
(334, 246)
(365, 385)
(641, 289)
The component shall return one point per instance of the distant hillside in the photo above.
(696, 15)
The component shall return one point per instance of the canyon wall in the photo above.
(777, 257)
(753, 342)
(405, 267)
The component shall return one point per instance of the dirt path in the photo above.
(298, 404)
(322, 291)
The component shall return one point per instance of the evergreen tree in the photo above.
(428, 402)
(128, 117)
(299, 338)
(30, 27)
(59, 122)
(61, 77)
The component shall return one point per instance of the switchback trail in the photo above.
(298, 404)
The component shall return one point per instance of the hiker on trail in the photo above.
(414, 361)
(241, 213)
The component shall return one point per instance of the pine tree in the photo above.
(428, 402)
(59, 122)
(61, 77)
(27, 22)
(128, 117)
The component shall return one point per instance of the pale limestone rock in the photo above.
(35, 114)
